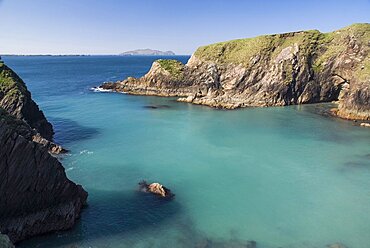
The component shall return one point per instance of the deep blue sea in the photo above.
(283, 176)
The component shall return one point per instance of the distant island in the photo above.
(146, 52)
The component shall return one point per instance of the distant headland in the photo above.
(147, 52)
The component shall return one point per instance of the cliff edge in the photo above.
(271, 70)
(36, 195)
(16, 100)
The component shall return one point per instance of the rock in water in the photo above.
(270, 70)
(156, 189)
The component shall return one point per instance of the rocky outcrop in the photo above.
(17, 101)
(36, 196)
(156, 189)
(51, 146)
(272, 70)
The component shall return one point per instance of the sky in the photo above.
(115, 26)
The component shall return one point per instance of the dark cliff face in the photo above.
(272, 70)
(17, 101)
(36, 196)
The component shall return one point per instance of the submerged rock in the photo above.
(156, 106)
(207, 243)
(336, 245)
(156, 189)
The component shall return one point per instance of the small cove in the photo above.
(284, 176)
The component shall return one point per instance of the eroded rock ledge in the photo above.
(272, 70)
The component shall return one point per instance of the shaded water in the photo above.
(284, 176)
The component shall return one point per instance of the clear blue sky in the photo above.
(114, 26)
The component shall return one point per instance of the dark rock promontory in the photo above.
(36, 196)
(17, 101)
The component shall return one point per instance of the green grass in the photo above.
(334, 43)
(174, 67)
(243, 51)
(10, 84)
(235, 51)
(312, 44)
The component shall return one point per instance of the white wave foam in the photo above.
(86, 152)
(100, 89)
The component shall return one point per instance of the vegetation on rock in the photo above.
(270, 70)
(174, 67)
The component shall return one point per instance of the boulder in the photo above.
(156, 189)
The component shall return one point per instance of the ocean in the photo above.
(281, 176)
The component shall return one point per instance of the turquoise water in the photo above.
(284, 176)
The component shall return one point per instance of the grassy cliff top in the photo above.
(244, 51)
(174, 67)
(10, 84)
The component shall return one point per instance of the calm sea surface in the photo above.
(284, 176)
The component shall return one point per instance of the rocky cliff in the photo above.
(36, 197)
(17, 101)
(271, 70)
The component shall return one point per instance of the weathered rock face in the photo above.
(273, 70)
(17, 101)
(36, 196)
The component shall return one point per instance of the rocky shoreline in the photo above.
(273, 70)
(36, 195)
